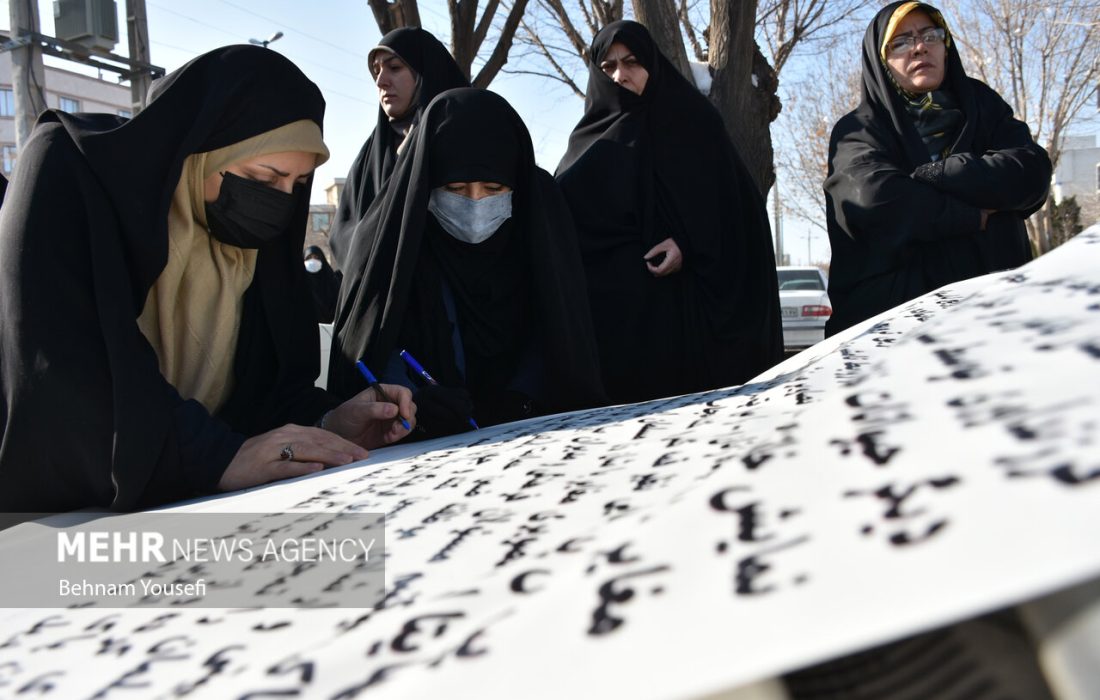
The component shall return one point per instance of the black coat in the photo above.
(640, 169)
(86, 417)
(436, 71)
(522, 288)
(900, 225)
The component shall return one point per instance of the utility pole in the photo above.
(137, 27)
(27, 73)
(777, 207)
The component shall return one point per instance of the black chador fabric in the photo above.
(87, 417)
(522, 288)
(902, 223)
(436, 71)
(643, 168)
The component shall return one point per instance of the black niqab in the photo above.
(436, 71)
(643, 168)
(901, 225)
(522, 286)
(87, 418)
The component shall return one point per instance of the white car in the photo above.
(805, 305)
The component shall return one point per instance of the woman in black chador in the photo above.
(157, 329)
(410, 67)
(930, 178)
(468, 260)
(674, 234)
(323, 281)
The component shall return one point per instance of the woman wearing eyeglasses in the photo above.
(930, 178)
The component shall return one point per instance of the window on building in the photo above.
(7, 158)
(1098, 178)
(125, 113)
(320, 221)
(69, 104)
(7, 102)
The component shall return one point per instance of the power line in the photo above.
(237, 38)
(296, 30)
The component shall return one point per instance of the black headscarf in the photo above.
(87, 417)
(642, 168)
(901, 225)
(522, 287)
(436, 71)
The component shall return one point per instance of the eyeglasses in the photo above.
(905, 43)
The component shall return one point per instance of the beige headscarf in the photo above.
(192, 314)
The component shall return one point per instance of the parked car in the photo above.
(805, 305)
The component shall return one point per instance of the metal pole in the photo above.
(137, 27)
(778, 210)
(27, 74)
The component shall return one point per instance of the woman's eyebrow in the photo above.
(915, 32)
(273, 169)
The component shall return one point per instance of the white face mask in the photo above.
(470, 220)
(313, 265)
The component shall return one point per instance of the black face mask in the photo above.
(249, 214)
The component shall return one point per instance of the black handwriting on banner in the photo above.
(908, 524)
(761, 532)
(616, 592)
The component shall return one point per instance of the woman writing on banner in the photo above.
(468, 260)
(930, 178)
(409, 67)
(673, 231)
(157, 340)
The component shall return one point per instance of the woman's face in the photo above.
(621, 65)
(476, 190)
(920, 68)
(281, 171)
(396, 83)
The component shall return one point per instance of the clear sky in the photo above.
(329, 40)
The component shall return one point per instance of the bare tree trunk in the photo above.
(747, 100)
(663, 22)
(395, 14)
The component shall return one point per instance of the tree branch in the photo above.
(504, 44)
(483, 25)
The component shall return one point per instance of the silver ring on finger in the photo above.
(287, 453)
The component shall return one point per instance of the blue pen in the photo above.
(419, 369)
(373, 381)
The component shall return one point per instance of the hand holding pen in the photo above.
(373, 383)
(373, 419)
(423, 373)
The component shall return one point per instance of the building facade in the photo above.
(65, 90)
(321, 215)
(1078, 175)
